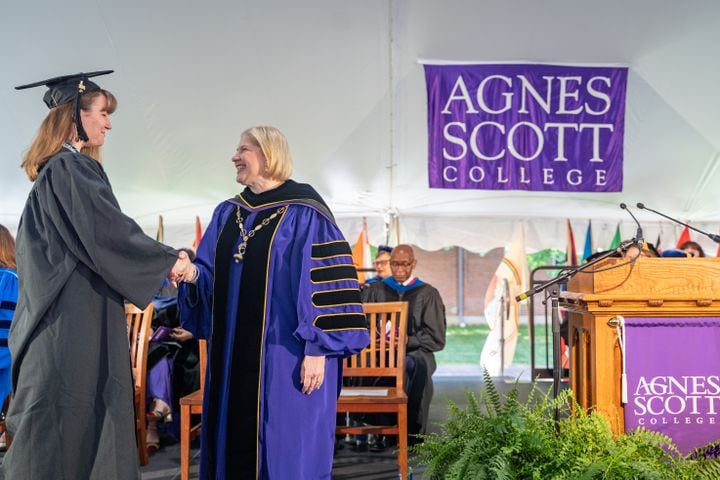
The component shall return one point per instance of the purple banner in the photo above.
(526, 127)
(673, 378)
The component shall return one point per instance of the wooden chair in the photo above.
(139, 322)
(191, 405)
(384, 357)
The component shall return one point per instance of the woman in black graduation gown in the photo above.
(79, 257)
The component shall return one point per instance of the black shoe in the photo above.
(379, 445)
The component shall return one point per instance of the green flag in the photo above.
(616, 239)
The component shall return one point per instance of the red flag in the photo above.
(198, 233)
(571, 253)
(684, 237)
(718, 251)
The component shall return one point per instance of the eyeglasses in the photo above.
(401, 264)
(377, 263)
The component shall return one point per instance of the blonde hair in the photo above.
(7, 249)
(59, 127)
(275, 147)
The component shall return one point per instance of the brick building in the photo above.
(440, 269)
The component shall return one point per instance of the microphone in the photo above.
(712, 236)
(639, 234)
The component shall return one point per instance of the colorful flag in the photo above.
(160, 235)
(616, 239)
(198, 233)
(684, 237)
(361, 253)
(571, 252)
(501, 309)
(588, 242)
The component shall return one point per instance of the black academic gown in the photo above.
(78, 258)
(426, 334)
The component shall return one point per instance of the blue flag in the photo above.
(588, 242)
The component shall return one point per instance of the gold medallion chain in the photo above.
(240, 255)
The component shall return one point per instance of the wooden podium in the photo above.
(651, 287)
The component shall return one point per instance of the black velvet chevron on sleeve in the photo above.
(333, 273)
(341, 321)
(330, 249)
(331, 298)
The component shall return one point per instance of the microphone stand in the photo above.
(712, 236)
(554, 295)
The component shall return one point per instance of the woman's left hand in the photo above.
(180, 334)
(312, 373)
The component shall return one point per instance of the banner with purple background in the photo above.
(673, 378)
(526, 127)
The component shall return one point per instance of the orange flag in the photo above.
(361, 252)
(684, 237)
(198, 233)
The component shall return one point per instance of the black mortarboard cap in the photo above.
(384, 248)
(66, 89)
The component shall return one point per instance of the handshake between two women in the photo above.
(183, 270)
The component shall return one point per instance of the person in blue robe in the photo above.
(274, 289)
(8, 301)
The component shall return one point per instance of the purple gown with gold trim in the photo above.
(294, 293)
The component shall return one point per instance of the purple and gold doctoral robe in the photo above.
(294, 293)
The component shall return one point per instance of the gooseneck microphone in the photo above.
(639, 234)
(712, 236)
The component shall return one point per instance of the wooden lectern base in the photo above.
(650, 287)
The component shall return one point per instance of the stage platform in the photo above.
(350, 464)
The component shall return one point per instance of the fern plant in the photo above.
(506, 439)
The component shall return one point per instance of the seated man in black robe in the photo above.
(425, 331)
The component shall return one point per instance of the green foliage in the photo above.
(496, 438)
(549, 256)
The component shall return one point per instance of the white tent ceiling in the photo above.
(341, 78)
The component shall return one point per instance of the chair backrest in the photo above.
(202, 350)
(385, 356)
(138, 323)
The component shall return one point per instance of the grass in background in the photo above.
(464, 344)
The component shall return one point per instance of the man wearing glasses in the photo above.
(426, 331)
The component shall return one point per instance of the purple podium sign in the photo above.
(526, 127)
(673, 378)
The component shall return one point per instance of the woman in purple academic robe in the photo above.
(274, 290)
